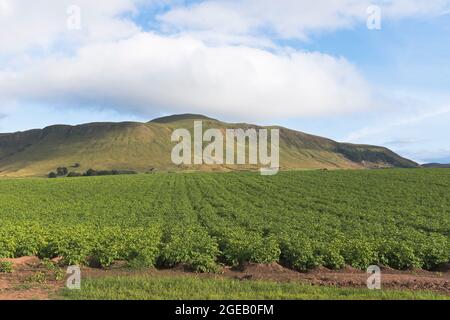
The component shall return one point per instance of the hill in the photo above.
(436, 165)
(143, 146)
(181, 117)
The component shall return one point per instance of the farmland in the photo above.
(303, 219)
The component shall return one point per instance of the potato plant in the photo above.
(396, 218)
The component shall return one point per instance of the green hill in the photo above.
(436, 165)
(143, 146)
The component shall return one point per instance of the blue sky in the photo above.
(314, 67)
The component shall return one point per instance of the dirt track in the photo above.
(33, 280)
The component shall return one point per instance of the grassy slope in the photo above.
(193, 288)
(142, 146)
(101, 146)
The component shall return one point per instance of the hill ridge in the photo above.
(178, 117)
(142, 147)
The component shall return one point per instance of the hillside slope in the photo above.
(436, 165)
(143, 146)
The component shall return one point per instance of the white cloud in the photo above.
(149, 72)
(407, 8)
(210, 60)
(287, 18)
(283, 19)
(39, 24)
(34, 24)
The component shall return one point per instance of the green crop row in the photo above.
(397, 218)
(192, 246)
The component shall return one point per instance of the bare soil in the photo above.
(29, 281)
(32, 279)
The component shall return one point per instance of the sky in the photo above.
(371, 72)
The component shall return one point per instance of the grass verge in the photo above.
(196, 288)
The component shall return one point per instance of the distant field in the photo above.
(304, 219)
(192, 288)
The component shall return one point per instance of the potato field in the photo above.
(301, 219)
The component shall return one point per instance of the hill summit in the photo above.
(180, 117)
(144, 147)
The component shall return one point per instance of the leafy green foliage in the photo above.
(6, 267)
(191, 246)
(239, 246)
(61, 171)
(52, 175)
(299, 254)
(359, 253)
(396, 218)
(54, 269)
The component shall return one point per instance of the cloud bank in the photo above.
(287, 19)
(212, 57)
(183, 74)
